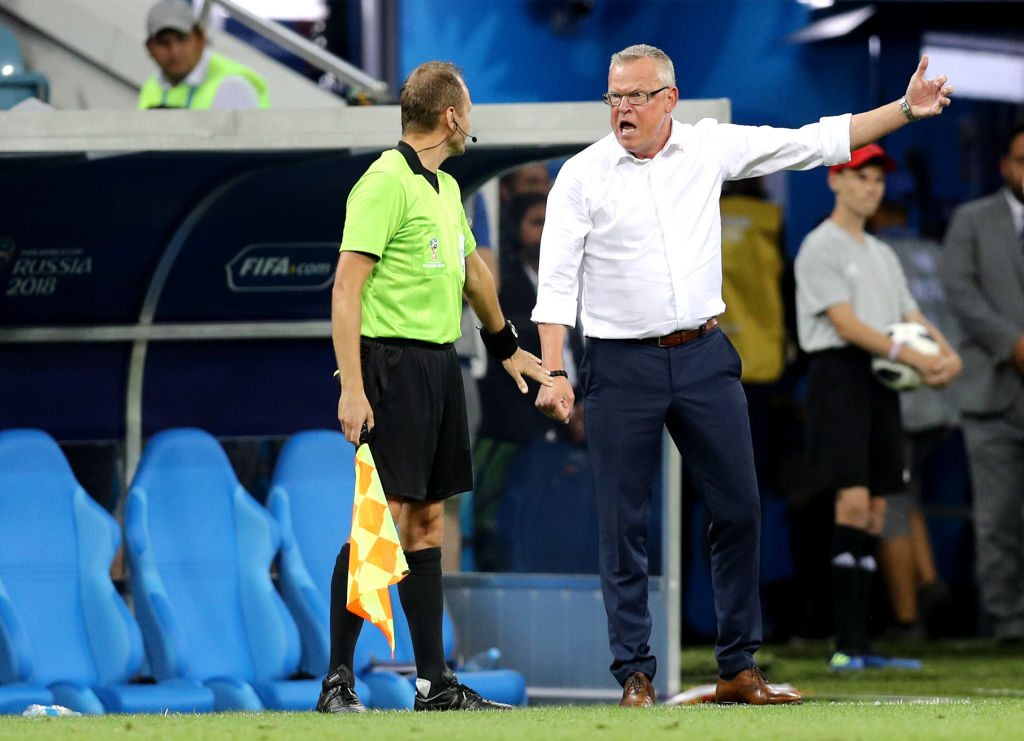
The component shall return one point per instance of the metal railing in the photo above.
(355, 78)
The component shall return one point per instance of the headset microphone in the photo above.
(450, 133)
(463, 132)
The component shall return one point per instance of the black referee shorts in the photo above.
(420, 440)
(854, 431)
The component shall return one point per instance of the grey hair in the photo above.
(636, 52)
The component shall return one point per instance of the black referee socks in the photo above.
(423, 601)
(345, 625)
(847, 549)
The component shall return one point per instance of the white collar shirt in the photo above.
(1016, 212)
(639, 241)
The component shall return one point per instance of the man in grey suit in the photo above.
(983, 273)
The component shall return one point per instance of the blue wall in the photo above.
(721, 48)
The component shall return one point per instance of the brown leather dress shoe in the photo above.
(749, 687)
(637, 692)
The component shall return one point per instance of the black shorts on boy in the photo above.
(854, 432)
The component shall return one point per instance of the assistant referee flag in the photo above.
(376, 559)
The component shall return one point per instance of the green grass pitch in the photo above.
(967, 690)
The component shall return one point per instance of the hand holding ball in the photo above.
(900, 376)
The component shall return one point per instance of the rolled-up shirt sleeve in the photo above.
(750, 151)
(566, 226)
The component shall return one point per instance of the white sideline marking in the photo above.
(887, 700)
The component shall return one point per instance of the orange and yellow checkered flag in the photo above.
(376, 559)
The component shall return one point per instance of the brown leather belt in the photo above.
(678, 338)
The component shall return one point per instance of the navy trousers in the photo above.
(631, 391)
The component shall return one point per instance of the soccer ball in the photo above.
(900, 376)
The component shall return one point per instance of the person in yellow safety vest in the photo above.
(752, 270)
(192, 76)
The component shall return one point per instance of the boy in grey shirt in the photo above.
(850, 287)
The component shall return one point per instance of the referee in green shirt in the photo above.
(407, 257)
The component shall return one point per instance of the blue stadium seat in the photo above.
(15, 83)
(300, 572)
(66, 635)
(311, 498)
(200, 550)
(17, 670)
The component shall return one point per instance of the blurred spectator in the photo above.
(532, 178)
(759, 320)
(755, 318)
(850, 287)
(982, 270)
(509, 422)
(192, 76)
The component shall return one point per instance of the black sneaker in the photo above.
(451, 695)
(338, 695)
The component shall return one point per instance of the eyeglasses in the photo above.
(637, 97)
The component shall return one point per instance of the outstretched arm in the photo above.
(925, 98)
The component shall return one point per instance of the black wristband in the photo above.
(503, 344)
(562, 373)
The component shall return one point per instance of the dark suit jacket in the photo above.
(982, 270)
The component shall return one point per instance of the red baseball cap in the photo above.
(863, 156)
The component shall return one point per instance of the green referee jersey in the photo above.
(414, 223)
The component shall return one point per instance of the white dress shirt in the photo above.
(1016, 212)
(645, 235)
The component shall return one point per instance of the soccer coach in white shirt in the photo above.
(635, 216)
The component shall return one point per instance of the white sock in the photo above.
(844, 560)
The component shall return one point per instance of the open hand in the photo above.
(927, 98)
(523, 363)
